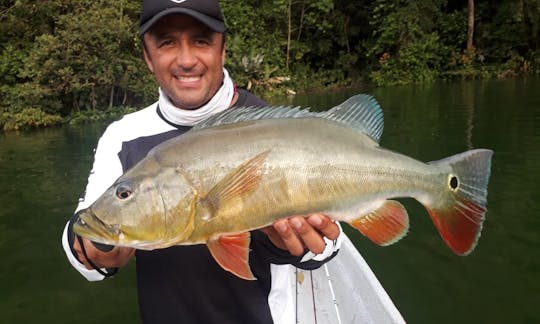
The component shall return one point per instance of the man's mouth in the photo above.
(188, 79)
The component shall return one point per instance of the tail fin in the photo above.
(460, 214)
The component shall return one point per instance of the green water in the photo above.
(43, 173)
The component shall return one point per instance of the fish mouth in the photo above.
(88, 225)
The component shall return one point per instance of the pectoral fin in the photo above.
(232, 254)
(240, 182)
(384, 225)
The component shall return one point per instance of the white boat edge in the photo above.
(344, 290)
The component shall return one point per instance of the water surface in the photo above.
(43, 173)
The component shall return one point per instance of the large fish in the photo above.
(247, 167)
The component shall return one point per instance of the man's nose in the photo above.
(185, 57)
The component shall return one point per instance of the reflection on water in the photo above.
(43, 173)
(498, 282)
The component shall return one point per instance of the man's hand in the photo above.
(117, 257)
(297, 233)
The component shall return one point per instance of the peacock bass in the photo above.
(247, 167)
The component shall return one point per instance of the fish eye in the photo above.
(453, 182)
(123, 191)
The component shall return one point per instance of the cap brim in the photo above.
(214, 24)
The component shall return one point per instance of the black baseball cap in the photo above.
(206, 11)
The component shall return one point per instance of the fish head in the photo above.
(134, 212)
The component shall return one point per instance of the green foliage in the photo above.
(19, 96)
(535, 62)
(28, 118)
(93, 116)
(82, 59)
(269, 52)
(500, 44)
(416, 62)
(11, 63)
(91, 57)
(250, 58)
(405, 43)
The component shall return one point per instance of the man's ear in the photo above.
(223, 52)
(148, 60)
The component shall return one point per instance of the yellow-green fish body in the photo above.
(246, 168)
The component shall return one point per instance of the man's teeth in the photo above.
(188, 78)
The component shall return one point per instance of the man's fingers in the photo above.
(325, 225)
(289, 236)
(308, 234)
(80, 255)
(300, 232)
(274, 237)
(117, 257)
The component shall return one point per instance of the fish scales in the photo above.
(235, 173)
(351, 165)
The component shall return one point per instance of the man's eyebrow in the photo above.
(205, 33)
(160, 35)
(208, 34)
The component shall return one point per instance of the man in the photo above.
(184, 47)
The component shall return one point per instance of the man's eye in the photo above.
(167, 42)
(202, 42)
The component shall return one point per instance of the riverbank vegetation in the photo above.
(80, 61)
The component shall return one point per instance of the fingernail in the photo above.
(296, 223)
(315, 220)
(281, 227)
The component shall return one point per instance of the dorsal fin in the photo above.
(361, 112)
(241, 114)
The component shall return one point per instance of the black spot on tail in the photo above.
(454, 182)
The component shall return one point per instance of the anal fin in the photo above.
(384, 225)
(231, 252)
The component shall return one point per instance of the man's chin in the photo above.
(189, 103)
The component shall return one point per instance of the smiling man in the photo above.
(187, 60)
(184, 47)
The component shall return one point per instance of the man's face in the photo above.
(186, 58)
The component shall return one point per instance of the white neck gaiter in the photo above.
(219, 102)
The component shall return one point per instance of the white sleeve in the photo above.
(332, 246)
(106, 169)
(90, 275)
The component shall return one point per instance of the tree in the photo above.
(531, 22)
(405, 46)
(470, 27)
(61, 56)
(92, 60)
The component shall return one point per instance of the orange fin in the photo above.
(231, 252)
(459, 213)
(241, 181)
(385, 225)
(459, 226)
